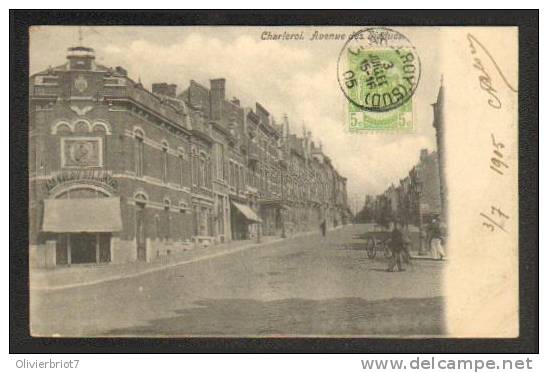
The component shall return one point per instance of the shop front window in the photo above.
(83, 248)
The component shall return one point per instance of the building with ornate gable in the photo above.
(119, 173)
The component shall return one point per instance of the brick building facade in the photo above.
(119, 173)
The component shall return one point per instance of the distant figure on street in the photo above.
(423, 239)
(396, 248)
(406, 247)
(323, 227)
(436, 241)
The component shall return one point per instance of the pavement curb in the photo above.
(416, 257)
(164, 266)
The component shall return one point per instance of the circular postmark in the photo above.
(378, 69)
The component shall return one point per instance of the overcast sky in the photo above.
(297, 78)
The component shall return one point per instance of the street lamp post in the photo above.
(283, 216)
(283, 224)
(259, 229)
(418, 186)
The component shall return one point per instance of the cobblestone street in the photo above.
(305, 285)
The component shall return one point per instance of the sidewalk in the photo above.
(427, 256)
(86, 275)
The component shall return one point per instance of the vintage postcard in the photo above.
(272, 181)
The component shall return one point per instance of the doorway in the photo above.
(82, 248)
(141, 233)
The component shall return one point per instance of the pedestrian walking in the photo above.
(436, 241)
(323, 227)
(396, 247)
(406, 247)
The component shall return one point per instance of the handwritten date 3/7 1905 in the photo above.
(496, 218)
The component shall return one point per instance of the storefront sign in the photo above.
(84, 176)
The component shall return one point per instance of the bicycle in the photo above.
(374, 245)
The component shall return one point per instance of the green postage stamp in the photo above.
(400, 119)
(378, 72)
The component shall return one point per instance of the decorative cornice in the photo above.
(153, 181)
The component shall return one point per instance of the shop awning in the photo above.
(247, 212)
(82, 215)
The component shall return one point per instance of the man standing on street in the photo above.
(323, 227)
(436, 241)
(396, 247)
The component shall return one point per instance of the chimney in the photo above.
(120, 71)
(218, 87)
(424, 154)
(172, 90)
(81, 58)
(217, 96)
(286, 126)
(164, 89)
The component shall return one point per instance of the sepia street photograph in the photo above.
(254, 181)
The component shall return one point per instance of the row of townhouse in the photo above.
(415, 200)
(118, 173)
(421, 195)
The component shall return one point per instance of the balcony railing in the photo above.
(146, 99)
(44, 90)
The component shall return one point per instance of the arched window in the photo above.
(165, 156)
(62, 128)
(209, 172)
(101, 128)
(202, 175)
(219, 160)
(167, 219)
(139, 153)
(82, 126)
(138, 132)
(194, 166)
(181, 161)
(140, 197)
